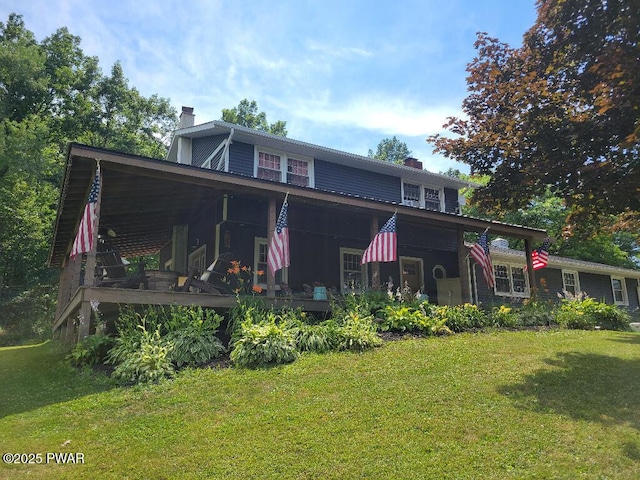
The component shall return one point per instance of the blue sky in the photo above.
(342, 74)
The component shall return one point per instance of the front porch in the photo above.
(77, 318)
(189, 216)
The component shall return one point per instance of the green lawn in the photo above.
(556, 404)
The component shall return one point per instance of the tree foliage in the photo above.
(391, 150)
(561, 113)
(51, 93)
(246, 114)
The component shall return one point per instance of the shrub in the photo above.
(401, 317)
(585, 313)
(148, 363)
(535, 313)
(91, 350)
(27, 315)
(266, 343)
(192, 334)
(317, 338)
(460, 318)
(504, 316)
(357, 332)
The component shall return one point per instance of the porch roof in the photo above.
(142, 198)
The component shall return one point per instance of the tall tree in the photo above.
(391, 150)
(247, 115)
(561, 112)
(51, 93)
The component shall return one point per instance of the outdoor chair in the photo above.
(211, 280)
(111, 271)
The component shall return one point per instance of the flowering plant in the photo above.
(240, 278)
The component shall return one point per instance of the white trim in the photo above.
(284, 162)
(363, 269)
(576, 276)
(224, 158)
(422, 201)
(623, 286)
(257, 241)
(420, 274)
(511, 293)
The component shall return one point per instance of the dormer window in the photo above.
(418, 195)
(284, 167)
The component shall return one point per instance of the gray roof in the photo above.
(264, 139)
(566, 263)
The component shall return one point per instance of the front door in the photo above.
(411, 273)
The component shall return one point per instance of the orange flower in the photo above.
(256, 289)
(244, 269)
(260, 272)
(230, 270)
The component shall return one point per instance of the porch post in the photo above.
(530, 271)
(375, 266)
(271, 228)
(465, 285)
(64, 287)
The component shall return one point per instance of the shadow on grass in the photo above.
(633, 338)
(595, 388)
(34, 376)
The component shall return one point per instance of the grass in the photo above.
(504, 405)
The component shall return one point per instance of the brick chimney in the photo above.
(187, 118)
(413, 163)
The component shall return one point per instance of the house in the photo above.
(612, 285)
(220, 190)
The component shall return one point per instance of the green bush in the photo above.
(401, 317)
(91, 350)
(263, 344)
(357, 332)
(320, 338)
(28, 315)
(460, 318)
(505, 317)
(147, 363)
(585, 313)
(535, 313)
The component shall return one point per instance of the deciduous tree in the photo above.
(391, 150)
(560, 112)
(247, 115)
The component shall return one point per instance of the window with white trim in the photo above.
(283, 167)
(260, 253)
(619, 289)
(198, 259)
(428, 197)
(570, 282)
(511, 280)
(353, 275)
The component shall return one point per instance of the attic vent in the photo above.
(500, 243)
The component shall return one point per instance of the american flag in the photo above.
(278, 254)
(540, 256)
(480, 253)
(383, 248)
(84, 239)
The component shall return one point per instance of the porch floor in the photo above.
(110, 300)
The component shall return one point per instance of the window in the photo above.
(619, 291)
(428, 197)
(283, 167)
(570, 282)
(353, 275)
(260, 265)
(298, 172)
(431, 199)
(411, 195)
(269, 167)
(511, 280)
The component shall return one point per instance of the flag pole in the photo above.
(485, 231)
